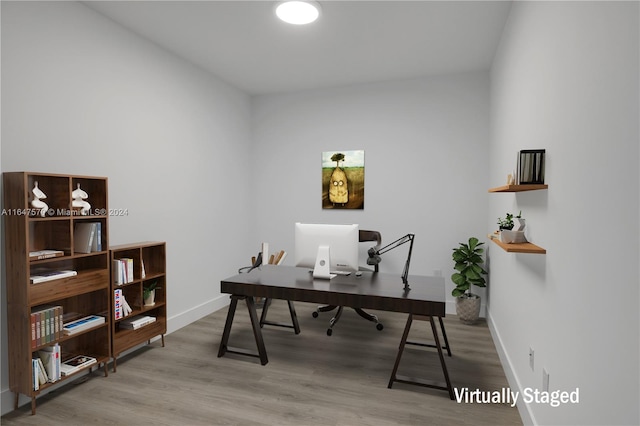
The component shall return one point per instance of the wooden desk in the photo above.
(372, 290)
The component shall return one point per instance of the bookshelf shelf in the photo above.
(148, 265)
(519, 188)
(519, 247)
(84, 294)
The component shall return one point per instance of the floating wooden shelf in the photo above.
(519, 188)
(519, 247)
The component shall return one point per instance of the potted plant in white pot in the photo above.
(468, 264)
(511, 232)
(149, 294)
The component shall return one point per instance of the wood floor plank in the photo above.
(311, 378)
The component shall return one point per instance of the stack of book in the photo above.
(45, 254)
(81, 324)
(136, 322)
(75, 364)
(43, 275)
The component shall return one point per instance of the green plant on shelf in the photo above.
(146, 290)
(507, 222)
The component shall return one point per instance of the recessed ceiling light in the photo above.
(298, 12)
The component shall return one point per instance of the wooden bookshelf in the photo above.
(519, 247)
(519, 188)
(148, 266)
(86, 293)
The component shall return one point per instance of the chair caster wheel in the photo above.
(329, 332)
(314, 314)
(379, 326)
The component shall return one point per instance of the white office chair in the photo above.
(364, 236)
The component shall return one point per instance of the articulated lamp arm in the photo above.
(374, 255)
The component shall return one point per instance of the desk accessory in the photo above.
(374, 255)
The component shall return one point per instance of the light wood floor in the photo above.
(311, 378)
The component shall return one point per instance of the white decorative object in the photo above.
(78, 200)
(519, 224)
(150, 300)
(37, 202)
(508, 237)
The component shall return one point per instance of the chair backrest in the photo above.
(365, 236)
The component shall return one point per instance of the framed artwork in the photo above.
(343, 180)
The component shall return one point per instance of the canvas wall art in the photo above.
(343, 179)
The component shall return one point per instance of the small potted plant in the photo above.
(149, 293)
(507, 232)
(506, 223)
(468, 264)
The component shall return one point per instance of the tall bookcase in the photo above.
(148, 267)
(28, 230)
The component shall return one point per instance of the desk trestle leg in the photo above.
(257, 333)
(292, 310)
(416, 381)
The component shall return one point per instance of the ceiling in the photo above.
(244, 44)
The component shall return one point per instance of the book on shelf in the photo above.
(76, 364)
(45, 254)
(35, 374)
(96, 245)
(42, 373)
(81, 324)
(143, 272)
(50, 357)
(83, 235)
(126, 308)
(44, 275)
(118, 310)
(137, 322)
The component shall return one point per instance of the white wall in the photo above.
(81, 95)
(566, 79)
(426, 156)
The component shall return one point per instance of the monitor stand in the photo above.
(322, 269)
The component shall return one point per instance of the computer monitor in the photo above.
(326, 248)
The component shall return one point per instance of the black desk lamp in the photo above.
(374, 255)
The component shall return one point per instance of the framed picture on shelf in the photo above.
(531, 164)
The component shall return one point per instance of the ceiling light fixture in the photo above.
(298, 12)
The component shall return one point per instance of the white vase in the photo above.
(151, 299)
(519, 224)
(509, 237)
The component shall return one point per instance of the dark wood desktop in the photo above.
(371, 290)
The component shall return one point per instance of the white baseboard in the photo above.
(174, 323)
(523, 409)
(185, 318)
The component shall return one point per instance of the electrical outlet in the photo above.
(531, 358)
(545, 380)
